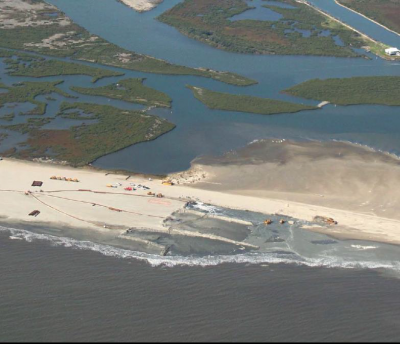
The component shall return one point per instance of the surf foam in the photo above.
(173, 261)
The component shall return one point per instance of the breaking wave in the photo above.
(360, 247)
(172, 261)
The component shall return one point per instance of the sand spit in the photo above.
(354, 185)
(142, 5)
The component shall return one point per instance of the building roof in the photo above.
(392, 50)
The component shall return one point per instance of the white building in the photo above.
(392, 52)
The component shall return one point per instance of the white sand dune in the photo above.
(142, 5)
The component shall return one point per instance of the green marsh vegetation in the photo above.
(380, 90)
(60, 37)
(3, 136)
(209, 21)
(243, 103)
(130, 90)
(38, 67)
(8, 117)
(112, 130)
(28, 127)
(27, 92)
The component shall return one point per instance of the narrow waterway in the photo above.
(358, 22)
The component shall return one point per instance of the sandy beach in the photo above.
(295, 188)
(142, 5)
(352, 184)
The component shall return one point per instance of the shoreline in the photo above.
(145, 212)
(370, 19)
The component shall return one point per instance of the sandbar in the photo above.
(142, 5)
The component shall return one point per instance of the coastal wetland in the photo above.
(199, 130)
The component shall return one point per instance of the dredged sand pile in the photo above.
(142, 5)
(307, 178)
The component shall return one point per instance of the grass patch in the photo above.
(129, 90)
(115, 129)
(208, 21)
(243, 103)
(381, 90)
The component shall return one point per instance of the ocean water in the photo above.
(288, 243)
(65, 294)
